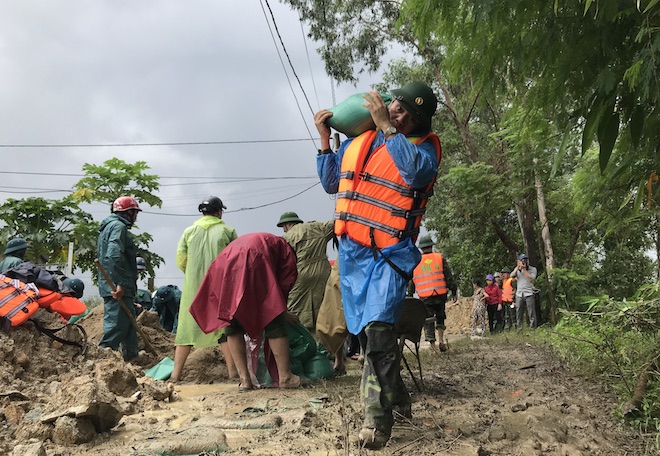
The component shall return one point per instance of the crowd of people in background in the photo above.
(505, 299)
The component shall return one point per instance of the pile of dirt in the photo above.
(54, 395)
(459, 317)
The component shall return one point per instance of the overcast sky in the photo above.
(161, 71)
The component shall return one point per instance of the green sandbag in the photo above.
(302, 345)
(162, 370)
(351, 118)
(318, 367)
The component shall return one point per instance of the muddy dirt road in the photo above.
(489, 396)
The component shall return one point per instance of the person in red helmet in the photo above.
(116, 252)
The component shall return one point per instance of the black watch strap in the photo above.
(325, 151)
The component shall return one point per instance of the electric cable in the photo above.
(183, 143)
(270, 29)
(309, 62)
(243, 209)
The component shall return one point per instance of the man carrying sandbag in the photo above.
(383, 179)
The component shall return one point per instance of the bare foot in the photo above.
(292, 382)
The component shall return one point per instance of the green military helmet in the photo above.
(419, 100)
(76, 286)
(506, 270)
(426, 241)
(164, 294)
(16, 245)
(289, 217)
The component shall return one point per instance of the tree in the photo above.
(582, 63)
(47, 225)
(105, 183)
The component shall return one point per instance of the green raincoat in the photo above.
(309, 240)
(198, 247)
(9, 262)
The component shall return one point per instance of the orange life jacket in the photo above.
(429, 276)
(66, 306)
(18, 301)
(375, 207)
(507, 290)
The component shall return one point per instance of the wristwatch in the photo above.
(390, 131)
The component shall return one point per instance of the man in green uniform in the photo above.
(309, 241)
(198, 247)
(14, 254)
(116, 252)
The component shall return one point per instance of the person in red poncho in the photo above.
(245, 291)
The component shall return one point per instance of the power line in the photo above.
(293, 70)
(228, 179)
(243, 209)
(284, 68)
(158, 144)
(309, 62)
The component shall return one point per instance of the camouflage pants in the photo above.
(382, 387)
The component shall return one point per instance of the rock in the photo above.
(34, 415)
(39, 431)
(14, 414)
(197, 440)
(22, 359)
(160, 391)
(518, 407)
(118, 377)
(30, 449)
(71, 431)
(497, 433)
(85, 397)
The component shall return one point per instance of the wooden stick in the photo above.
(146, 340)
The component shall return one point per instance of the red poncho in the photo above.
(249, 281)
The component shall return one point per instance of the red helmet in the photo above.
(125, 203)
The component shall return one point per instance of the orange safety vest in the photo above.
(18, 301)
(429, 276)
(375, 207)
(507, 290)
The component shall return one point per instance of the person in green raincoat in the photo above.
(116, 252)
(14, 253)
(198, 247)
(309, 240)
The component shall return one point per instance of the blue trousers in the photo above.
(118, 332)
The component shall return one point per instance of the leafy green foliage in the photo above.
(616, 339)
(115, 178)
(105, 183)
(47, 225)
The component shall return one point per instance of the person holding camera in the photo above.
(526, 275)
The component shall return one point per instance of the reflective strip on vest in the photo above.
(374, 199)
(429, 276)
(507, 290)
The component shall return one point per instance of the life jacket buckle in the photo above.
(351, 195)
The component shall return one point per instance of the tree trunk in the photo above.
(509, 243)
(547, 246)
(573, 245)
(657, 247)
(526, 219)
